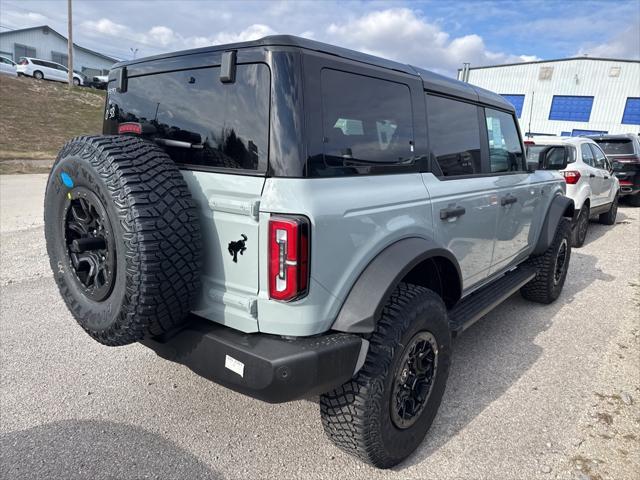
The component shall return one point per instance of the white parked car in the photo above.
(45, 69)
(589, 176)
(8, 67)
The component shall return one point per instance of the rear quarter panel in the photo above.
(352, 220)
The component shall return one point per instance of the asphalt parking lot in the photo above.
(535, 391)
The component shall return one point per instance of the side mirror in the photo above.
(553, 158)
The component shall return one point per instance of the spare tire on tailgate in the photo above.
(123, 237)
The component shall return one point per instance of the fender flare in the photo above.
(371, 291)
(561, 206)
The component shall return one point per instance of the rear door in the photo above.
(464, 202)
(606, 177)
(218, 133)
(518, 196)
(592, 175)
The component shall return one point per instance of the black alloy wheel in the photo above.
(88, 237)
(414, 379)
(561, 261)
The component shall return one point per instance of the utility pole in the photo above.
(69, 45)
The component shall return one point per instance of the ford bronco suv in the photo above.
(289, 219)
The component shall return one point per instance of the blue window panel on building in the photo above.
(631, 113)
(517, 101)
(577, 132)
(569, 108)
(565, 134)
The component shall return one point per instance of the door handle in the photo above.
(606, 177)
(508, 200)
(592, 176)
(452, 212)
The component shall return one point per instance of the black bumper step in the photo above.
(267, 367)
(479, 303)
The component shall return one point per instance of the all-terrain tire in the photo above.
(357, 416)
(634, 200)
(579, 232)
(547, 285)
(153, 248)
(609, 217)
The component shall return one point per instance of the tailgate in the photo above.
(218, 133)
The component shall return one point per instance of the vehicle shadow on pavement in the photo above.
(80, 449)
(495, 353)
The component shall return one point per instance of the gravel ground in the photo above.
(535, 391)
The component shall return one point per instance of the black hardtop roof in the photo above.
(432, 81)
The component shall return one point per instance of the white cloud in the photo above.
(163, 38)
(162, 35)
(104, 26)
(404, 35)
(625, 44)
(252, 32)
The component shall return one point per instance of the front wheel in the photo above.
(551, 267)
(384, 412)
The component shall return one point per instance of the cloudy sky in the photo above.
(438, 34)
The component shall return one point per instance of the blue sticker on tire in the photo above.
(66, 179)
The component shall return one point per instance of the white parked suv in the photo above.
(590, 182)
(45, 69)
(7, 66)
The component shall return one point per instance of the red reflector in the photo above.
(288, 257)
(130, 127)
(529, 142)
(571, 177)
(626, 182)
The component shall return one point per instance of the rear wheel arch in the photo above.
(412, 260)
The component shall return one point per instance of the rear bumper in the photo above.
(266, 367)
(629, 182)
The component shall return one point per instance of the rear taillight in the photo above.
(571, 177)
(529, 142)
(130, 127)
(288, 257)
(626, 182)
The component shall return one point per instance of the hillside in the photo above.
(37, 117)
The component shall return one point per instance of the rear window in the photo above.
(219, 125)
(616, 147)
(534, 150)
(454, 135)
(366, 121)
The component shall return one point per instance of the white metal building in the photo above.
(572, 96)
(45, 43)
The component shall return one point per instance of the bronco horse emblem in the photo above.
(237, 247)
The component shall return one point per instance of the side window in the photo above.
(587, 155)
(505, 150)
(600, 159)
(454, 135)
(365, 120)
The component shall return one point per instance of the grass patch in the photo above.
(37, 117)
